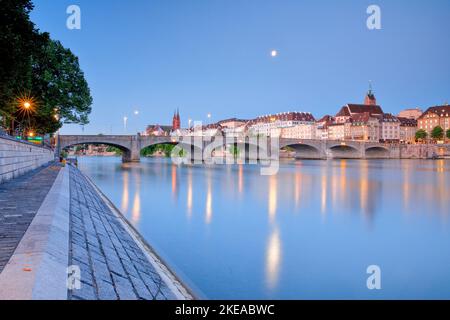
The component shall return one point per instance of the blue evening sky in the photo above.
(214, 56)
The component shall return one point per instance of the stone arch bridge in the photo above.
(131, 145)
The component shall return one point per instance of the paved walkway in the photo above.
(20, 199)
(111, 263)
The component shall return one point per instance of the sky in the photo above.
(214, 56)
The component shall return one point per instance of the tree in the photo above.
(17, 38)
(421, 134)
(448, 134)
(35, 67)
(116, 150)
(437, 133)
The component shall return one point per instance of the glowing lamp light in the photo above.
(27, 105)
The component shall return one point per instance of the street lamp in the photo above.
(125, 119)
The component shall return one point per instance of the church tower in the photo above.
(176, 122)
(370, 99)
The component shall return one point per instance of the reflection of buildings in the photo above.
(272, 205)
(189, 194)
(273, 259)
(208, 206)
(136, 210)
(125, 192)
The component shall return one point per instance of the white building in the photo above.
(390, 128)
(275, 125)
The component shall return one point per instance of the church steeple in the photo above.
(176, 121)
(370, 96)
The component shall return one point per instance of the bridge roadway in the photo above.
(131, 145)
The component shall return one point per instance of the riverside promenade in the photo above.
(62, 239)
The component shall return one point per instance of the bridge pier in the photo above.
(134, 153)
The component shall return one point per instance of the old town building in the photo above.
(390, 128)
(433, 117)
(272, 125)
(364, 127)
(350, 110)
(410, 113)
(408, 129)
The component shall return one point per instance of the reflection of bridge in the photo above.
(306, 149)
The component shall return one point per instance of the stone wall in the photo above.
(17, 158)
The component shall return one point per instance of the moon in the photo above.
(274, 53)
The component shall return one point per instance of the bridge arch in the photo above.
(193, 151)
(124, 143)
(380, 152)
(305, 151)
(343, 151)
(126, 153)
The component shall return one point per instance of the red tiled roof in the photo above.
(441, 111)
(387, 117)
(286, 116)
(407, 122)
(352, 108)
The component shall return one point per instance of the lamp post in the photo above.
(125, 120)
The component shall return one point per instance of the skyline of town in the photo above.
(365, 121)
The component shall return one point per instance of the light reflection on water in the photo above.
(308, 232)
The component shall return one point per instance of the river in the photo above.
(309, 232)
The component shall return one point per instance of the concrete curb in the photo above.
(38, 268)
(180, 290)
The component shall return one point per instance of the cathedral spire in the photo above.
(176, 122)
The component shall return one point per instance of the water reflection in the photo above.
(273, 195)
(174, 181)
(208, 206)
(189, 194)
(136, 211)
(273, 258)
(265, 249)
(125, 192)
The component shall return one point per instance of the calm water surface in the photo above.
(309, 232)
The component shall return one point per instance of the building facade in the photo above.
(390, 128)
(408, 129)
(364, 127)
(272, 125)
(433, 117)
(410, 113)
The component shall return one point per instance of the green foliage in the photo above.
(166, 149)
(234, 150)
(421, 134)
(448, 134)
(17, 38)
(437, 133)
(116, 150)
(32, 65)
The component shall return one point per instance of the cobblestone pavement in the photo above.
(20, 199)
(111, 263)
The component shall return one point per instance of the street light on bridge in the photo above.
(125, 120)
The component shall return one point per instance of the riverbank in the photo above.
(77, 230)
